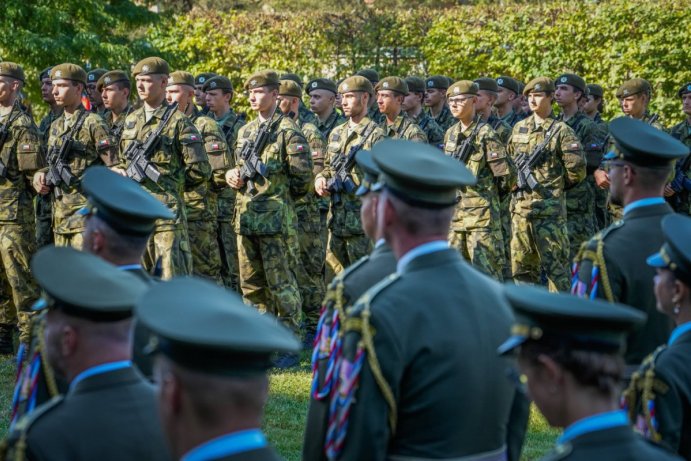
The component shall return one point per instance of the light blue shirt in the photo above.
(227, 445)
(100, 369)
(678, 331)
(424, 249)
(379, 243)
(130, 267)
(643, 202)
(594, 423)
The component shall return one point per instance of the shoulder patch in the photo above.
(369, 296)
(353, 267)
(523, 129)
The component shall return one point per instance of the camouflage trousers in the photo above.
(580, 216)
(228, 248)
(341, 252)
(537, 244)
(206, 255)
(311, 278)
(505, 206)
(267, 277)
(601, 212)
(74, 240)
(483, 248)
(44, 220)
(172, 247)
(18, 290)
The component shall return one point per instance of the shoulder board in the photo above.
(353, 267)
(560, 451)
(600, 236)
(364, 301)
(25, 423)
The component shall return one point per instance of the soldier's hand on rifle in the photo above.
(39, 183)
(233, 179)
(601, 178)
(669, 191)
(119, 171)
(320, 187)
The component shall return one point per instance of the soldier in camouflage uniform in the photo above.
(92, 91)
(593, 109)
(681, 186)
(580, 199)
(391, 92)
(219, 94)
(114, 87)
(509, 90)
(373, 109)
(539, 241)
(92, 145)
(435, 101)
(347, 241)
(20, 157)
(180, 159)
(264, 209)
(476, 226)
(322, 93)
(412, 105)
(304, 114)
(200, 200)
(594, 104)
(310, 251)
(44, 210)
(199, 96)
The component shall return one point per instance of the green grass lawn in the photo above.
(286, 411)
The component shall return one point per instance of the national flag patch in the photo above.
(104, 143)
(299, 147)
(493, 154)
(194, 137)
(26, 147)
(574, 146)
(215, 146)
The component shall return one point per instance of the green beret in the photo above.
(83, 285)
(632, 87)
(202, 78)
(573, 80)
(218, 82)
(121, 203)
(487, 84)
(220, 336)
(12, 70)
(263, 78)
(368, 183)
(396, 84)
(509, 83)
(152, 65)
(68, 71)
(415, 84)
(370, 74)
(291, 76)
(675, 253)
(462, 87)
(356, 83)
(595, 90)
(322, 84)
(290, 88)
(419, 174)
(643, 144)
(563, 320)
(45, 73)
(686, 88)
(93, 75)
(114, 76)
(539, 85)
(438, 82)
(180, 77)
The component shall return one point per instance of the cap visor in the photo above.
(83, 211)
(656, 261)
(510, 344)
(611, 155)
(39, 305)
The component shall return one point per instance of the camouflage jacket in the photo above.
(92, 146)
(445, 120)
(345, 215)
(682, 200)
(331, 122)
(305, 115)
(479, 206)
(307, 206)
(230, 124)
(512, 118)
(374, 114)
(118, 125)
(201, 202)
(44, 126)
(403, 127)
(434, 133)
(502, 128)
(288, 163)
(179, 157)
(21, 155)
(561, 165)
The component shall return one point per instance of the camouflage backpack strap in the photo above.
(349, 366)
(639, 398)
(13, 448)
(594, 250)
(328, 338)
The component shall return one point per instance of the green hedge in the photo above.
(606, 42)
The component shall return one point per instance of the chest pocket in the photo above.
(521, 143)
(28, 157)
(163, 155)
(216, 151)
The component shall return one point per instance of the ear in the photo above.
(681, 290)
(98, 241)
(551, 371)
(69, 340)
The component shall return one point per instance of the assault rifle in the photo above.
(139, 154)
(525, 163)
(58, 171)
(251, 155)
(117, 132)
(463, 151)
(5, 133)
(342, 181)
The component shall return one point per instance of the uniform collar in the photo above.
(649, 201)
(679, 331)
(227, 445)
(99, 370)
(425, 248)
(594, 423)
(379, 243)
